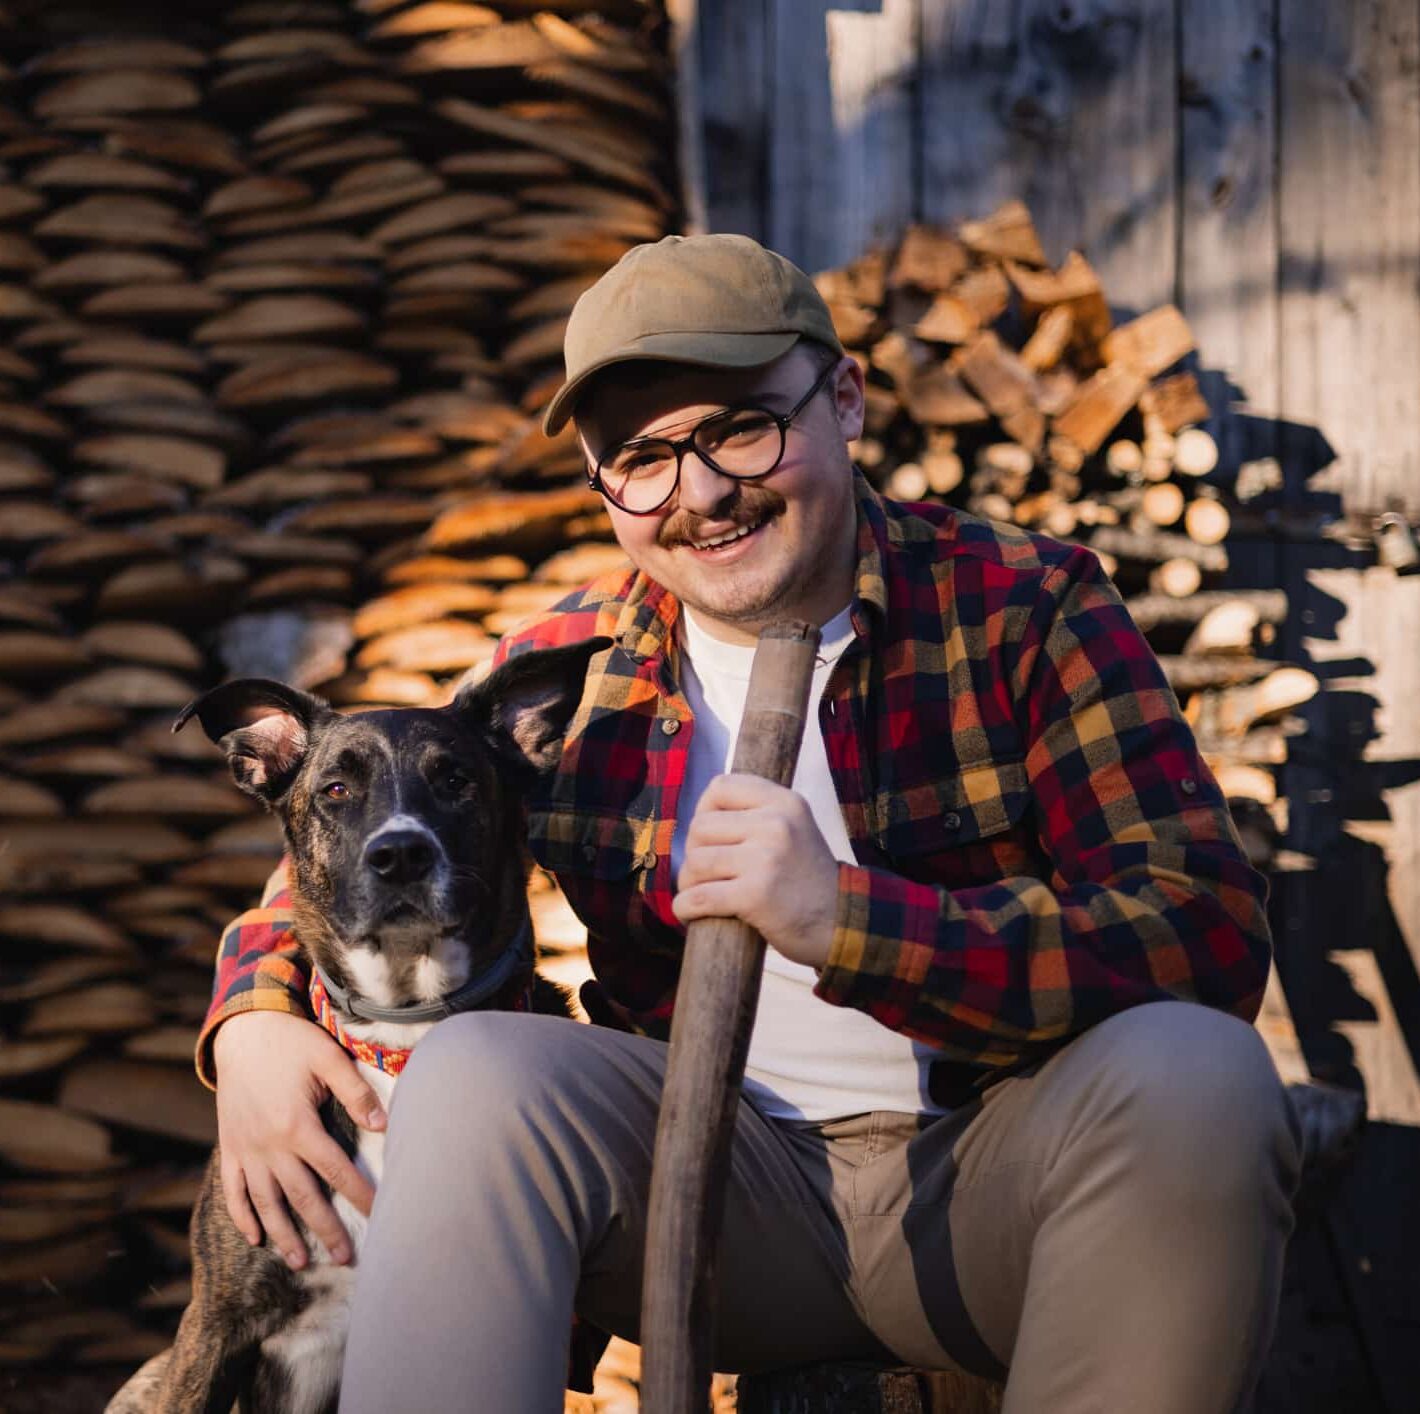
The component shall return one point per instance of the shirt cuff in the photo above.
(884, 931)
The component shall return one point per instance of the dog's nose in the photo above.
(400, 856)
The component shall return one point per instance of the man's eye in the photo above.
(736, 429)
(639, 461)
(337, 790)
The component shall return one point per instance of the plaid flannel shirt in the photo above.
(1038, 842)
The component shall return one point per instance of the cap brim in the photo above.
(705, 350)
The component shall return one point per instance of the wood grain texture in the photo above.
(1367, 660)
(841, 137)
(1060, 105)
(1228, 215)
(872, 67)
(1349, 210)
(732, 77)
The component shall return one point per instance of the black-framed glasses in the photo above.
(745, 441)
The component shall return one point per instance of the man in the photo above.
(1003, 1107)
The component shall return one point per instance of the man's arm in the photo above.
(259, 968)
(1150, 895)
(277, 1067)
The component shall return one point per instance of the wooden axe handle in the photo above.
(714, 1014)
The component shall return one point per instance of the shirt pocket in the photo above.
(591, 845)
(967, 827)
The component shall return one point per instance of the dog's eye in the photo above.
(337, 790)
(454, 781)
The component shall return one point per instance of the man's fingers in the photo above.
(713, 900)
(304, 1195)
(707, 862)
(738, 791)
(333, 1166)
(271, 1209)
(722, 826)
(342, 1078)
(239, 1208)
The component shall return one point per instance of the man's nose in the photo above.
(702, 489)
(400, 856)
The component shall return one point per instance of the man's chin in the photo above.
(744, 605)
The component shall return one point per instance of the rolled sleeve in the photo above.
(260, 967)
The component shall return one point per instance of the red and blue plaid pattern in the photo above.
(1039, 843)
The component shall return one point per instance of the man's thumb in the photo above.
(361, 1103)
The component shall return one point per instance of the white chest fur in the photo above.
(312, 1347)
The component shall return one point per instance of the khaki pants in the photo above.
(1110, 1226)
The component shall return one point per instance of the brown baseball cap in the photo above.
(720, 301)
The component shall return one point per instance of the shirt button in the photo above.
(647, 860)
(1188, 785)
(952, 820)
(589, 852)
(670, 726)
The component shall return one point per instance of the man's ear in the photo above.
(264, 727)
(523, 708)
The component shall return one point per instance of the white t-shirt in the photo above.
(807, 1059)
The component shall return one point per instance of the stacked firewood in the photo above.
(1008, 387)
(283, 289)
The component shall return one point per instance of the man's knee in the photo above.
(1191, 1086)
(489, 1062)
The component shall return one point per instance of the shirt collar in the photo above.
(647, 620)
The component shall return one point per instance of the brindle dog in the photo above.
(408, 883)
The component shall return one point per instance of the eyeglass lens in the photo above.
(742, 442)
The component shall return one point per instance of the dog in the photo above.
(408, 881)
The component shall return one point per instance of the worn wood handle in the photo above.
(714, 1014)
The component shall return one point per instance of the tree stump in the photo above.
(851, 1388)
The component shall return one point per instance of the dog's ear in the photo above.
(523, 708)
(263, 726)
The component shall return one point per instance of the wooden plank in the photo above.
(1071, 107)
(686, 41)
(1392, 1086)
(841, 171)
(1349, 214)
(732, 113)
(1364, 650)
(971, 159)
(872, 61)
(1228, 217)
(1275, 1025)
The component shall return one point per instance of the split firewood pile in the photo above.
(1001, 384)
(283, 288)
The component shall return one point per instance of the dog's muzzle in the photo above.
(478, 989)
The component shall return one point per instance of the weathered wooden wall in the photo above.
(1255, 161)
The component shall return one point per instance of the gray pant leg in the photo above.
(1113, 1225)
(515, 1183)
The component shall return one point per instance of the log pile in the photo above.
(1004, 385)
(283, 288)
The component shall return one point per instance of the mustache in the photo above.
(747, 505)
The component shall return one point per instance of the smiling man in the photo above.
(1003, 1108)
